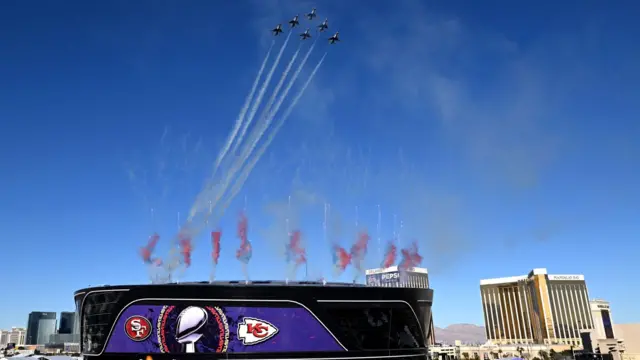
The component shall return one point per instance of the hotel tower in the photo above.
(536, 309)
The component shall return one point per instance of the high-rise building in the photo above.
(67, 320)
(17, 335)
(536, 308)
(413, 278)
(14, 336)
(602, 323)
(602, 338)
(40, 327)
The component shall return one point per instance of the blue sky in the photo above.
(503, 136)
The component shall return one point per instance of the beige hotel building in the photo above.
(537, 308)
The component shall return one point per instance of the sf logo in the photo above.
(138, 328)
(254, 331)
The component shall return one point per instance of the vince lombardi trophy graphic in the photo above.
(188, 330)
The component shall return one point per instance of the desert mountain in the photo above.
(467, 333)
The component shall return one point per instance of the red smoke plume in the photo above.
(390, 256)
(359, 250)
(185, 249)
(147, 251)
(410, 257)
(245, 250)
(215, 242)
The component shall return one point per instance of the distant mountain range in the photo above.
(467, 333)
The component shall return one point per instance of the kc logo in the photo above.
(254, 331)
(138, 328)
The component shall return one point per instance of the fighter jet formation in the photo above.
(306, 34)
(334, 38)
(294, 22)
(324, 25)
(277, 30)
(259, 120)
(312, 14)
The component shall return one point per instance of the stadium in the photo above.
(255, 320)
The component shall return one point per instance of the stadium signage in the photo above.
(137, 328)
(381, 270)
(390, 276)
(566, 277)
(603, 306)
(253, 331)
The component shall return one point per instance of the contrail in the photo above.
(257, 132)
(211, 184)
(238, 123)
(266, 115)
(243, 112)
(273, 113)
(269, 113)
(192, 228)
(247, 170)
(256, 104)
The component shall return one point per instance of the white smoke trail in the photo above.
(258, 133)
(212, 276)
(232, 135)
(239, 121)
(192, 228)
(266, 116)
(273, 113)
(256, 104)
(245, 272)
(222, 186)
(247, 170)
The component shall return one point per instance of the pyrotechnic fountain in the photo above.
(244, 146)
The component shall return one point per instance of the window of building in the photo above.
(606, 321)
(98, 315)
(377, 326)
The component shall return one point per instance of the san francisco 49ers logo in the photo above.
(138, 328)
(254, 331)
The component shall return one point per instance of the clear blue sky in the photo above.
(504, 137)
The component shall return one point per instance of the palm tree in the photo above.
(465, 355)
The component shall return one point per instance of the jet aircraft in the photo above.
(324, 25)
(277, 30)
(312, 14)
(334, 38)
(294, 21)
(305, 35)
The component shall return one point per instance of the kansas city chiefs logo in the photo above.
(254, 331)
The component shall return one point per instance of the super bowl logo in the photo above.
(192, 329)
